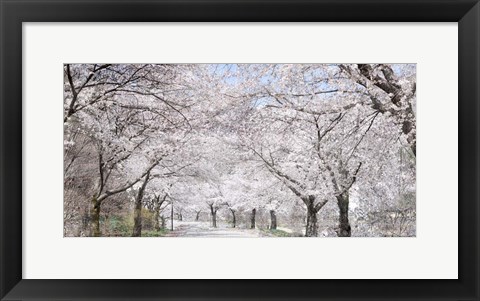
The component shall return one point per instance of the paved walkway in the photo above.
(202, 229)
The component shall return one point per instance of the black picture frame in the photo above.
(14, 12)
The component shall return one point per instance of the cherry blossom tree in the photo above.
(132, 116)
(326, 122)
(336, 142)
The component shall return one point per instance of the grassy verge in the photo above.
(278, 233)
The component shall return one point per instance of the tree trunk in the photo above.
(95, 218)
(197, 217)
(137, 213)
(312, 227)
(214, 219)
(162, 218)
(252, 219)
(344, 229)
(171, 218)
(214, 216)
(137, 219)
(156, 216)
(273, 220)
(234, 221)
(156, 219)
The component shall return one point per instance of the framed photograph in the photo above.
(239, 150)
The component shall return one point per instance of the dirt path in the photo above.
(200, 229)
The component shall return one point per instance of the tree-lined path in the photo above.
(233, 150)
